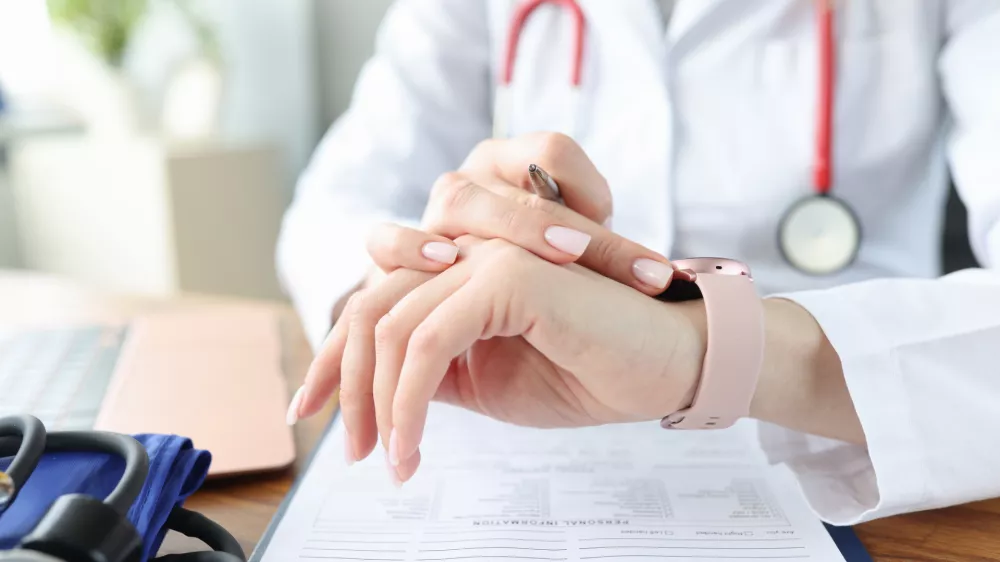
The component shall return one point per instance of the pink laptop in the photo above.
(213, 374)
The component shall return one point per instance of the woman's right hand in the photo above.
(489, 198)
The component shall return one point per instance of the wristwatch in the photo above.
(735, 347)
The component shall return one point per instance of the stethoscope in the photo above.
(502, 101)
(819, 234)
(81, 528)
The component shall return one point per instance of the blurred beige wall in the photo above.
(282, 93)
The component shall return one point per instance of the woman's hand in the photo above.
(489, 198)
(510, 335)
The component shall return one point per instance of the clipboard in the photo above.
(844, 538)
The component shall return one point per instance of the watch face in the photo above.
(716, 266)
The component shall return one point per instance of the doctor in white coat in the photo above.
(694, 130)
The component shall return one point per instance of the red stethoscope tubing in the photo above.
(824, 24)
(521, 14)
(824, 125)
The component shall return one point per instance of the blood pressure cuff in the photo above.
(176, 470)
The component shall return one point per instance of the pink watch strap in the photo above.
(733, 355)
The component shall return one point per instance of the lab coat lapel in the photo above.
(693, 20)
(624, 117)
(627, 117)
(688, 15)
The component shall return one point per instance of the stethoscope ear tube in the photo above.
(24, 437)
(79, 527)
(135, 455)
(225, 547)
(502, 96)
(28, 433)
(200, 556)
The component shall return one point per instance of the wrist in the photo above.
(801, 384)
(792, 341)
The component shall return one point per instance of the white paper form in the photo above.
(491, 491)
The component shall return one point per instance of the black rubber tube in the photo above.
(197, 526)
(200, 556)
(29, 433)
(135, 455)
(136, 458)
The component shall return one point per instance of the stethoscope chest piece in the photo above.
(819, 235)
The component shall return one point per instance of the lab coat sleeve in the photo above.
(920, 356)
(420, 105)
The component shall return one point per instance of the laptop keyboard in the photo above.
(58, 375)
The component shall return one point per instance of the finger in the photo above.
(392, 333)
(450, 329)
(608, 253)
(358, 363)
(459, 206)
(404, 470)
(582, 187)
(393, 246)
(323, 375)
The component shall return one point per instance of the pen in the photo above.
(545, 187)
(543, 184)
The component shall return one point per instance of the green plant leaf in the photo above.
(104, 26)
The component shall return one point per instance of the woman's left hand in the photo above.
(517, 338)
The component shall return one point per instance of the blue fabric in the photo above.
(176, 470)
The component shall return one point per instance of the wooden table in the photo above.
(245, 505)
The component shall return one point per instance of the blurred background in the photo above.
(151, 146)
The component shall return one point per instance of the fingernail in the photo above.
(567, 240)
(652, 273)
(396, 481)
(393, 448)
(440, 252)
(293, 407)
(608, 224)
(349, 455)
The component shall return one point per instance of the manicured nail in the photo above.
(440, 252)
(349, 455)
(396, 481)
(608, 224)
(573, 242)
(293, 407)
(652, 273)
(393, 448)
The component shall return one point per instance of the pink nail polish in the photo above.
(572, 242)
(440, 252)
(652, 273)
(292, 417)
(396, 481)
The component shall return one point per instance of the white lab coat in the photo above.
(705, 134)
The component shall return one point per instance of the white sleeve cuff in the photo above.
(844, 483)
